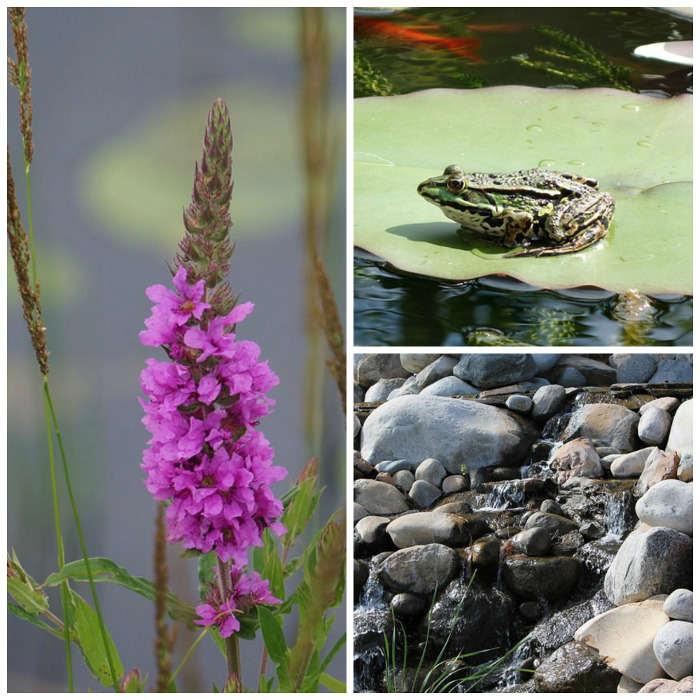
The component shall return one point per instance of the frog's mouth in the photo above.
(428, 190)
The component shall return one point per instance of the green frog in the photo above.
(545, 212)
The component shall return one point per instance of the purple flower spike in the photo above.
(205, 455)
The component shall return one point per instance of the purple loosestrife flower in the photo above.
(205, 455)
(247, 591)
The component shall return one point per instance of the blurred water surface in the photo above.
(99, 75)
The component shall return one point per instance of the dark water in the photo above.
(96, 74)
(392, 308)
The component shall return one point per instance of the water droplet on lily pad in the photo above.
(535, 128)
(644, 143)
(546, 163)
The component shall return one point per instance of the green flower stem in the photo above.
(60, 552)
(188, 655)
(233, 657)
(81, 536)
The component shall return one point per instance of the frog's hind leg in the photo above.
(575, 226)
(583, 239)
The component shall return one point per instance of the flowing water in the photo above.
(469, 48)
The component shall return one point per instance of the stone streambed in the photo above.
(519, 534)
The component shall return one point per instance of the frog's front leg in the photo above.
(516, 223)
(576, 224)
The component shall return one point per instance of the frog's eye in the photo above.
(455, 184)
(452, 170)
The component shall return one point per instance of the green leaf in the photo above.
(637, 147)
(30, 600)
(86, 628)
(332, 653)
(106, 571)
(206, 573)
(300, 510)
(33, 619)
(273, 636)
(333, 684)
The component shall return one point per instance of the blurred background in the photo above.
(120, 102)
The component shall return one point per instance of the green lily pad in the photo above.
(639, 148)
(138, 184)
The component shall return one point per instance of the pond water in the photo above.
(422, 48)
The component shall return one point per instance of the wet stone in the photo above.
(424, 494)
(408, 604)
(534, 541)
(432, 471)
(454, 483)
(519, 403)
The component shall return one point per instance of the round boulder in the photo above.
(492, 370)
(606, 424)
(654, 425)
(550, 577)
(673, 646)
(453, 431)
(422, 569)
(668, 504)
(575, 668)
(378, 498)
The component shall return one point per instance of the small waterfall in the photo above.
(618, 507)
(506, 494)
(369, 622)
(512, 675)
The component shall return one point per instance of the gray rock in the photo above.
(680, 438)
(595, 372)
(378, 498)
(545, 362)
(408, 605)
(635, 369)
(631, 464)
(371, 531)
(358, 512)
(654, 425)
(551, 506)
(667, 403)
(673, 646)
(519, 388)
(468, 617)
(432, 471)
(685, 468)
(414, 363)
(548, 400)
(420, 570)
(666, 685)
(379, 391)
(679, 605)
(534, 541)
(533, 577)
(556, 525)
(450, 386)
(404, 480)
(485, 552)
(357, 426)
(423, 493)
(409, 387)
(371, 368)
(358, 393)
(426, 528)
(491, 370)
(649, 562)
(391, 466)
(453, 431)
(575, 668)
(605, 424)
(360, 575)
(578, 458)
(454, 483)
(436, 370)
(519, 403)
(668, 504)
(570, 377)
(673, 371)
(591, 530)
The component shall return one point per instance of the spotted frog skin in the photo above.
(545, 212)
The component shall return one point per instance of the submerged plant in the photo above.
(576, 62)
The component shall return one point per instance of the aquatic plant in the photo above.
(367, 80)
(444, 673)
(583, 65)
(207, 464)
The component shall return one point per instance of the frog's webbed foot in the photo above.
(588, 236)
